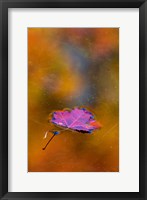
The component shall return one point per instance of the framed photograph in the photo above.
(73, 99)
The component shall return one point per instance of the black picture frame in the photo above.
(4, 6)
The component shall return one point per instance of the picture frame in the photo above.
(4, 6)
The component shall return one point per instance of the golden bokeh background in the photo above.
(70, 67)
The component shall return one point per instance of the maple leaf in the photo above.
(78, 119)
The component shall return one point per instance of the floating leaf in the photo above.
(78, 119)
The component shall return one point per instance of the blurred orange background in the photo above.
(70, 67)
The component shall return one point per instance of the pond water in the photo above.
(67, 68)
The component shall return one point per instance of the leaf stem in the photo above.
(48, 142)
